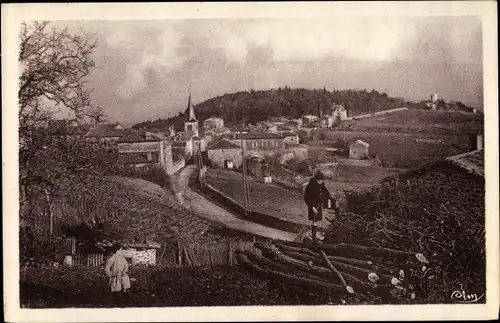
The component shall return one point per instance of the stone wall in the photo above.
(144, 257)
(217, 157)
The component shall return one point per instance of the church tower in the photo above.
(191, 125)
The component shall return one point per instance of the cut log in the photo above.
(315, 257)
(309, 284)
(265, 262)
(276, 256)
(333, 269)
(379, 255)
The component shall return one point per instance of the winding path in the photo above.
(204, 208)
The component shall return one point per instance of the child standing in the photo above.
(116, 269)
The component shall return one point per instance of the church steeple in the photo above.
(192, 116)
(191, 125)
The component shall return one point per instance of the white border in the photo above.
(13, 14)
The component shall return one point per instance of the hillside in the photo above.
(133, 209)
(255, 106)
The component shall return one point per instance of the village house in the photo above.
(358, 150)
(309, 119)
(225, 154)
(339, 113)
(327, 121)
(213, 123)
(141, 150)
(267, 126)
(292, 125)
(106, 133)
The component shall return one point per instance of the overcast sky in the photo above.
(145, 68)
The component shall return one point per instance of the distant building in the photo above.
(224, 153)
(327, 121)
(358, 150)
(138, 151)
(268, 126)
(476, 142)
(339, 113)
(292, 125)
(309, 119)
(213, 123)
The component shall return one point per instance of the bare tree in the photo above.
(54, 64)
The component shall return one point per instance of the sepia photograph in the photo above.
(212, 158)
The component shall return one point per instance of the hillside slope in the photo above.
(133, 209)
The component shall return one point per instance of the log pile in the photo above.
(344, 272)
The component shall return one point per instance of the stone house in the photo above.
(309, 119)
(327, 121)
(224, 151)
(358, 150)
(213, 123)
(339, 113)
(268, 127)
(139, 151)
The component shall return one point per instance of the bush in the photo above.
(42, 250)
(154, 174)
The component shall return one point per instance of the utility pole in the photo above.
(243, 167)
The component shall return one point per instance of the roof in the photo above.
(361, 142)
(136, 137)
(282, 127)
(288, 145)
(178, 154)
(310, 116)
(214, 119)
(472, 162)
(178, 144)
(223, 144)
(261, 135)
(136, 158)
(100, 132)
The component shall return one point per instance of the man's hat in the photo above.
(319, 176)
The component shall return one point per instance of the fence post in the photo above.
(178, 259)
(230, 253)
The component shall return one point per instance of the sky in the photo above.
(145, 69)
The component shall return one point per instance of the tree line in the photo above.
(254, 106)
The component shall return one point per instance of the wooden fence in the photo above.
(202, 255)
(176, 254)
(88, 260)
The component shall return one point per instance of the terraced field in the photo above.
(269, 199)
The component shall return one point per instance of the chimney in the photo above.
(476, 142)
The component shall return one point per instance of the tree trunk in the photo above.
(50, 201)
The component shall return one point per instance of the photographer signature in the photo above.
(463, 297)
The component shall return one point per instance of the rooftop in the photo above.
(137, 158)
(223, 144)
(137, 137)
(361, 142)
(260, 135)
(472, 162)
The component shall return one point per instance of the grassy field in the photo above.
(401, 150)
(423, 121)
(155, 287)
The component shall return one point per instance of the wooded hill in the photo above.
(255, 106)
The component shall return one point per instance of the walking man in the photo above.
(316, 195)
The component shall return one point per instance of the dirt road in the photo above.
(202, 207)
